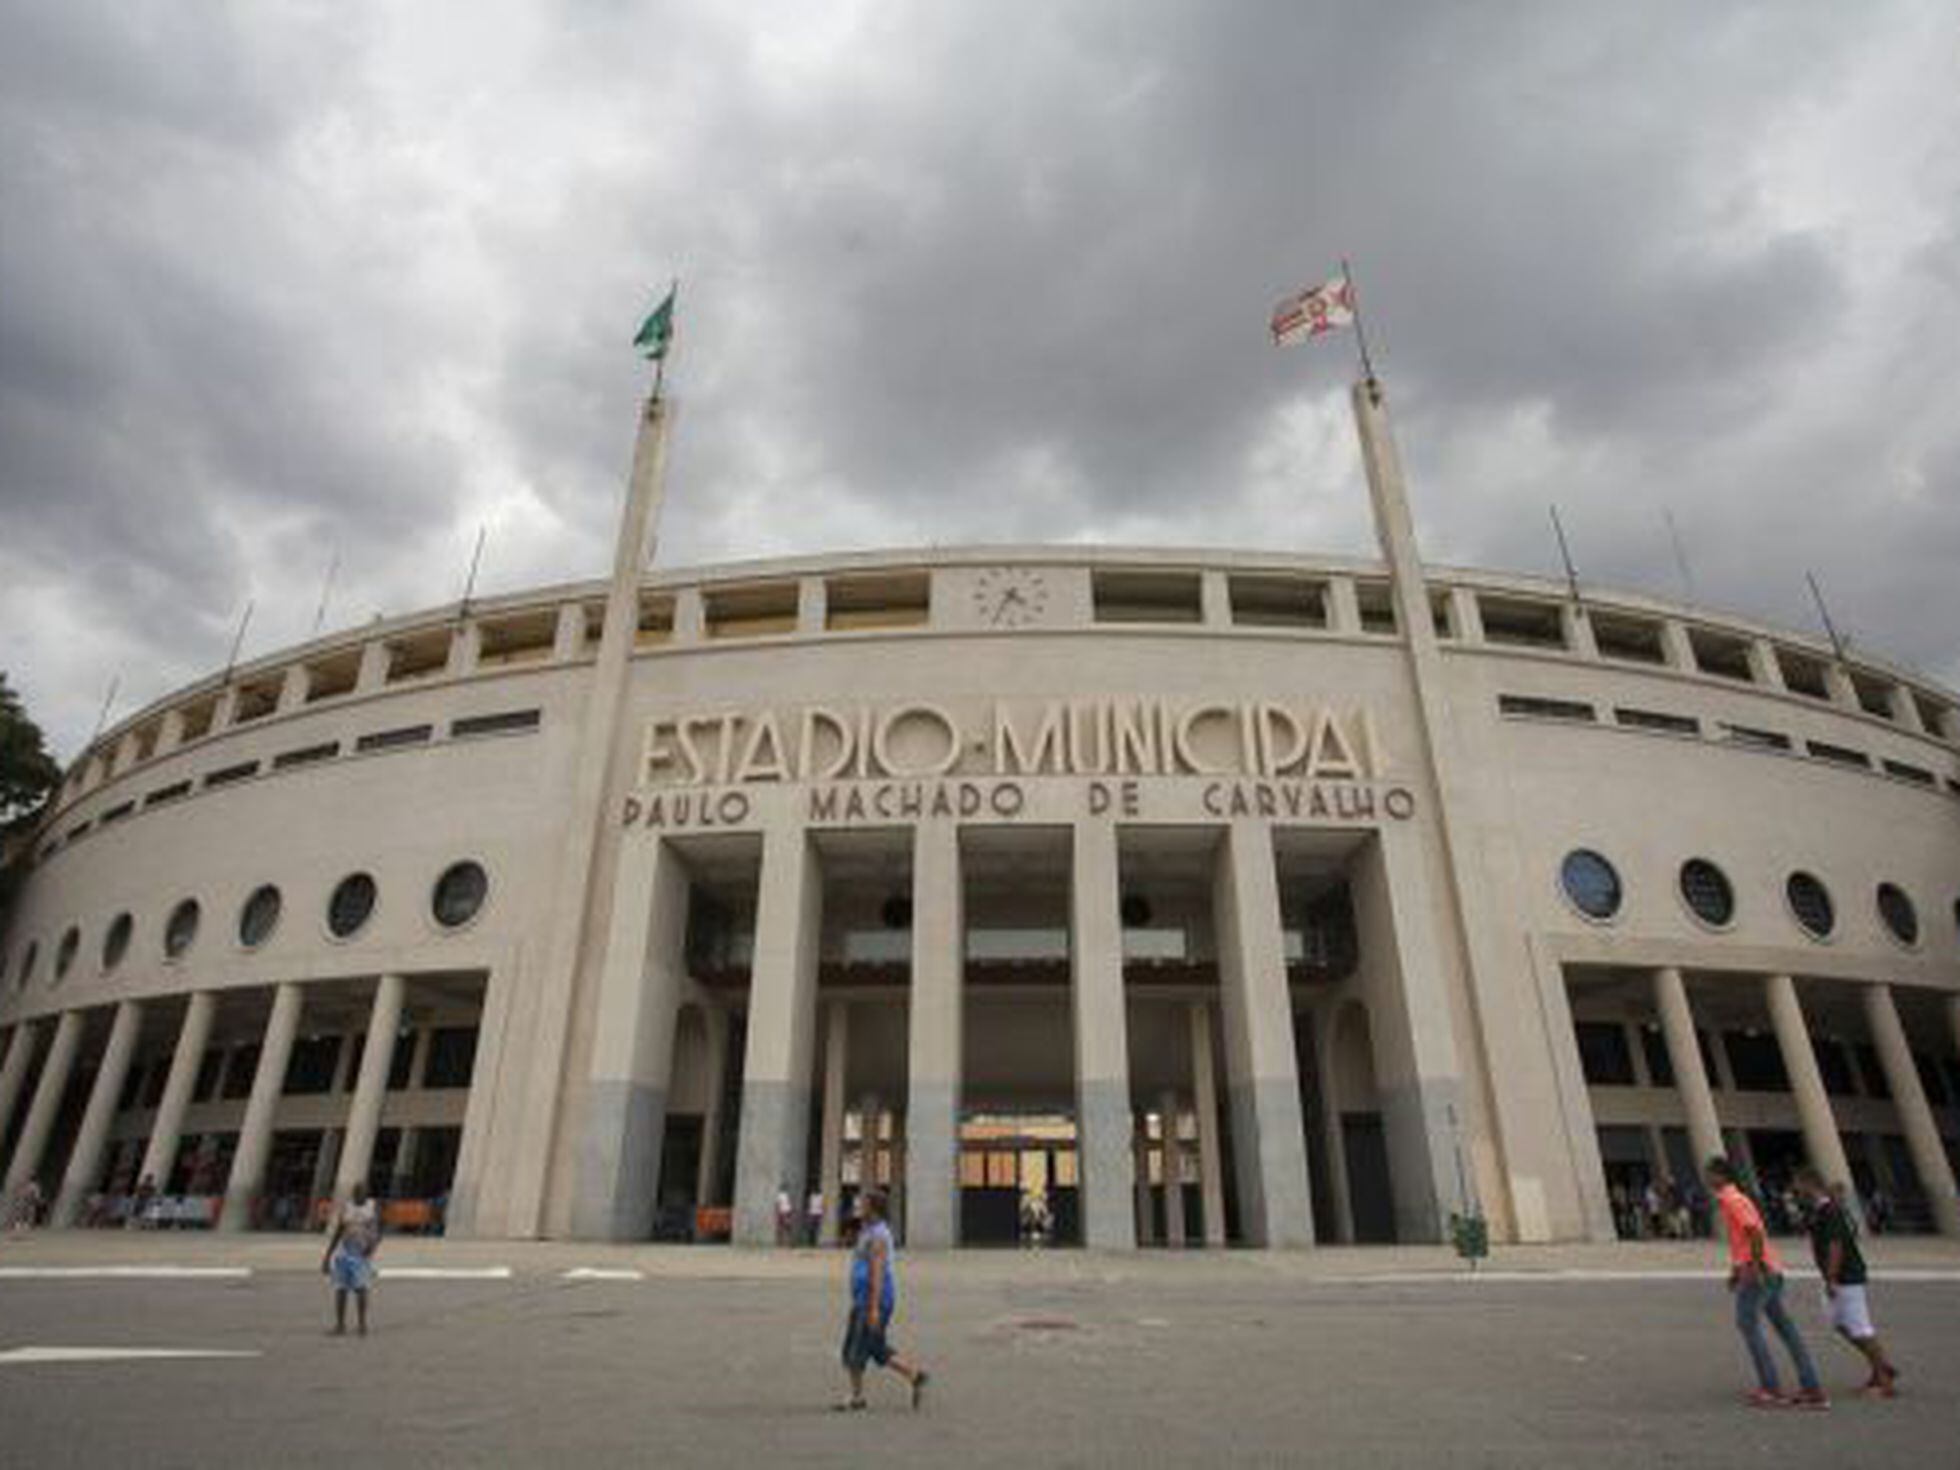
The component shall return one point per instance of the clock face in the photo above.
(1010, 597)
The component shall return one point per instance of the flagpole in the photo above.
(1360, 336)
(660, 363)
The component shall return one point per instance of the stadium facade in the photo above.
(1205, 897)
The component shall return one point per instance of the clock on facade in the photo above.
(1010, 597)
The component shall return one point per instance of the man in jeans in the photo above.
(1756, 1278)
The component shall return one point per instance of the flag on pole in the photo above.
(656, 333)
(1313, 312)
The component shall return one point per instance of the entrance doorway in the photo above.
(1018, 1180)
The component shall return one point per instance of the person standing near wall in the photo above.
(1756, 1280)
(349, 1261)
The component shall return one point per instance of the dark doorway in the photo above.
(1369, 1191)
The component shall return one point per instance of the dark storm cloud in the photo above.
(316, 277)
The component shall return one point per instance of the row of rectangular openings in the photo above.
(394, 739)
(1651, 719)
(1147, 597)
(333, 676)
(1277, 602)
(1803, 674)
(509, 722)
(761, 610)
(1874, 697)
(227, 775)
(1539, 707)
(903, 601)
(1630, 640)
(418, 656)
(654, 625)
(1918, 775)
(117, 813)
(175, 791)
(1755, 739)
(1522, 624)
(256, 700)
(1376, 604)
(1838, 755)
(1721, 654)
(306, 755)
(523, 638)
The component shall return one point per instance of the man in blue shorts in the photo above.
(874, 1297)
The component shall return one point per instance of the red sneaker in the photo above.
(1811, 1398)
(1765, 1398)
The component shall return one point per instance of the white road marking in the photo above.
(1555, 1277)
(124, 1273)
(443, 1273)
(14, 1357)
(604, 1273)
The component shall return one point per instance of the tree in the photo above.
(27, 772)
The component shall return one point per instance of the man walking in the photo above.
(874, 1297)
(1756, 1279)
(349, 1261)
(1834, 1244)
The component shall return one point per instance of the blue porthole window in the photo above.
(1901, 918)
(259, 917)
(1810, 902)
(181, 930)
(27, 964)
(1591, 884)
(459, 894)
(64, 955)
(115, 943)
(351, 905)
(1706, 890)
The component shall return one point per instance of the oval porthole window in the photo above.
(27, 965)
(351, 904)
(65, 955)
(259, 917)
(181, 931)
(1591, 883)
(1705, 890)
(1811, 902)
(1896, 909)
(459, 894)
(115, 944)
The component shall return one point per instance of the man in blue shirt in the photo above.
(874, 1297)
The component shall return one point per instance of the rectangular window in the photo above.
(197, 719)
(1755, 1061)
(132, 1086)
(510, 722)
(1648, 719)
(1522, 624)
(176, 791)
(1932, 714)
(328, 678)
(1277, 602)
(655, 625)
(1803, 675)
(1874, 695)
(306, 755)
(240, 1066)
(310, 1069)
(1147, 597)
(760, 611)
(401, 1062)
(1377, 607)
(1534, 707)
(395, 739)
(418, 657)
(227, 776)
(1721, 655)
(1753, 738)
(256, 701)
(116, 813)
(853, 603)
(452, 1057)
(1871, 1072)
(526, 638)
(1918, 775)
(154, 1081)
(1604, 1054)
(210, 1068)
(1660, 1065)
(1930, 1079)
(1834, 1067)
(1838, 755)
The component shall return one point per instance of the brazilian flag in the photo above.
(656, 333)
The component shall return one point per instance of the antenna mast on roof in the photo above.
(326, 586)
(238, 640)
(108, 700)
(1824, 612)
(1565, 555)
(1680, 555)
(469, 583)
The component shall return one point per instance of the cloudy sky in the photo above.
(281, 282)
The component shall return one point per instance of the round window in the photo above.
(27, 965)
(1898, 913)
(115, 944)
(259, 917)
(459, 894)
(1591, 883)
(1706, 891)
(1810, 901)
(181, 932)
(65, 955)
(351, 904)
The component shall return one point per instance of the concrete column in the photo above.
(1843, 692)
(403, 1172)
(1140, 1167)
(568, 634)
(464, 645)
(1269, 1144)
(1466, 616)
(812, 605)
(836, 1066)
(364, 1113)
(1173, 1173)
(292, 689)
(170, 733)
(1820, 1131)
(13, 1074)
(1343, 606)
(707, 1182)
(47, 1101)
(1690, 1076)
(935, 1048)
(1333, 1145)
(871, 1139)
(1675, 647)
(255, 1133)
(325, 1163)
(617, 1190)
(373, 672)
(1204, 1098)
(1215, 599)
(771, 1153)
(85, 1158)
(1103, 1118)
(1915, 1117)
(1577, 628)
(1763, 666)
(1905, 713)
(166, 1134)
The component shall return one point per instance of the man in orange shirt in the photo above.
(1756, 1278)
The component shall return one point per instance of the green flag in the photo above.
(656, 333)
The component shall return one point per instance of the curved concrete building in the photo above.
(1205, 897)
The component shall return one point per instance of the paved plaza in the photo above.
(544, 1355)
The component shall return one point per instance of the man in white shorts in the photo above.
(1834, 1243)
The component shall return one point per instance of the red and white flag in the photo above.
(1312, 312)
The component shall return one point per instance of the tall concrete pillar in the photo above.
(255, 1133)
(167, 1132)
(13, 1072)
(1103, 1118)
(47, 1101)
(1333, 1145)
(617, 1189)
(1140, 1167)
(771, 1153)
(321, 1186)
(401, 1177)
(1915, 1117)
(836, 1067)
(936, 1044)
(1204, 1101)
(1268, 1142)
(85, 1158)
(1690, 1076)
(707, 1182)
(1820, 1132)
(371, 1088)
(1173, 1148)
